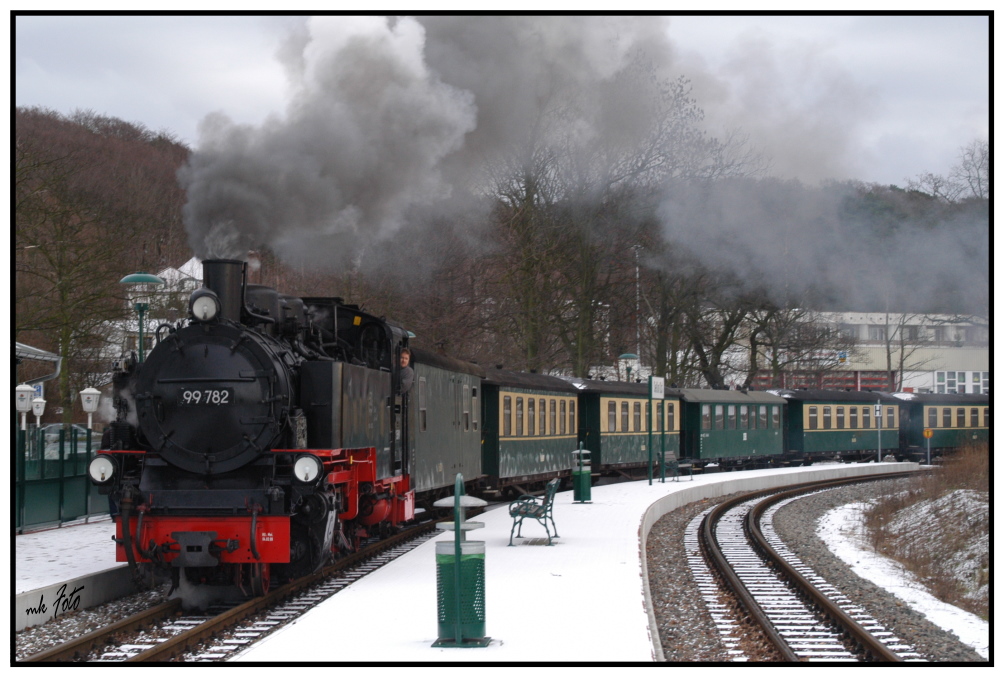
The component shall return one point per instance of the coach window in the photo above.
(890, 417)
(541, 417)
(637, 416)
(744, 417)
(531, 416)
(762, 416)
(986, 417)
(753, 417)
(866, 417)
(466, 420)
(612, 417)
(813, 418)
(552, 417)
(506, 415)
(475, 409)
(775, 416)
(719, 423)
(624, 416)
(960, 417)
(519, 416)
(973, 418)
(840, 418)
(731, 416)
(932, 417)
(422, 393)
(854, 418)
(827, 418)
(706, 417)
(670, 418)
(572, 417)
(562, 417)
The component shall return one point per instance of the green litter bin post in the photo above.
(461, 577)
(581, 475)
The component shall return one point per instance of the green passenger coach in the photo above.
(529, 428)
(837, 424)
(615, 425)
(732, 428)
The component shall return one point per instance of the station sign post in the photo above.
(657, 391)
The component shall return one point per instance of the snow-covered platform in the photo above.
(581, 599)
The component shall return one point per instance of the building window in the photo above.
(876, 332)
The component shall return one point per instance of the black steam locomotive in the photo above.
(265, 434)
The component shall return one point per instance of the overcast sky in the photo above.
(875, 98)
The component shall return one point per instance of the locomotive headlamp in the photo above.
(101, 469)
(308, 468)
(204, 304)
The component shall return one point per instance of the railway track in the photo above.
(166, 633)
(802, 616)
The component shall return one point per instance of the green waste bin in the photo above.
(469, 609)
(581, 476)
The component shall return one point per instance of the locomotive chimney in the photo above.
(225, 278)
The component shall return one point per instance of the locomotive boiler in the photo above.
(261, 436)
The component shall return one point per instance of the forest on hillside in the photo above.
(565, 253)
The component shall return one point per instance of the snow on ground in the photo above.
(41, 557)
(841, 529)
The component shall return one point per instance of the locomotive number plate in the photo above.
(206, 396)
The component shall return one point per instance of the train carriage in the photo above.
(732, 428)
(615, 424)
(529, 428)
(443, 424)
(953, 419)
(829, 424)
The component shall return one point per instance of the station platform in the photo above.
(583, 599)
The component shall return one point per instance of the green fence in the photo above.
(51, 484)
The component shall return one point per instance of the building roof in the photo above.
(26, 352)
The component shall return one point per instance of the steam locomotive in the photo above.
(266, 433)
(262, 435)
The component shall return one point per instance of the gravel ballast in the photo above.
(687, 633)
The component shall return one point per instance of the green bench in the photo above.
(531, 507)
(671, 463)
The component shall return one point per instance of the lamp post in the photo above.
(628, 357)
(143, 287)
(22, 400)
(38, 409)
(90, 398)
